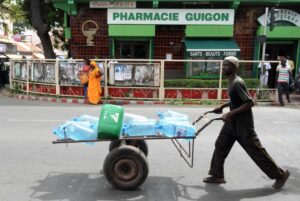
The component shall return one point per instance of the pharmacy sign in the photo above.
(171, 16)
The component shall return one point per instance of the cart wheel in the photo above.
(126, 167)
(141, 144)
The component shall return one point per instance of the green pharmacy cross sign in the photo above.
(171, 16)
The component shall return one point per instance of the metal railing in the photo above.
(60, 78)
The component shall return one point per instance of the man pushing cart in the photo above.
(126, 165)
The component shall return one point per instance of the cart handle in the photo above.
(205, 125)
(203, 115)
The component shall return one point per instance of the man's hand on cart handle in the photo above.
(218, 110)
(201, 116)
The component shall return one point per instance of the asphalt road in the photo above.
(32, 168)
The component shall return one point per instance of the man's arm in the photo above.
(243, 108)
(242, 93)
(219, 109)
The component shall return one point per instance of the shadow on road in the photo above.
(93, 187)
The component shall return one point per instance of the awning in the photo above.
(28, 56)
(211, 48)
(2, 56)
(38, 56)
(14, 56)
(131, 30)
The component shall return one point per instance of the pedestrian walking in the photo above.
(239, 126)
(94, 89)
(84, 76)
(283, 79)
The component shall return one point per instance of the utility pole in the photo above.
(265, 34)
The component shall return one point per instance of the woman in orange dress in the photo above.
(94, 89)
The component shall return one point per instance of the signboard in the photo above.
(123, 72)
(89, 29)
(169, 56)
(2, 48)
(20, 70)
(1, 29)
(282, 15)
(134, 74)
(111, 4)
(43, 72)
(69, 73)
(212, 53)
(171, 16)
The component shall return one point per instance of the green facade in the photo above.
(209, 31)
(281, 32)
(205, 34)
(131, 30)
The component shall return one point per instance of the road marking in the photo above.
(286, 122)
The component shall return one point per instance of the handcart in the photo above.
(126, 165)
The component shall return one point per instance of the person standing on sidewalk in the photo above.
(264, 68)
(85, 72)
(283, 78)
(94, 90)
(239, 126)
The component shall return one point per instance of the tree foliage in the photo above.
(40, 15)
(44, 17)
(12, 10)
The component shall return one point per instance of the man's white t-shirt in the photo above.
(267, 67)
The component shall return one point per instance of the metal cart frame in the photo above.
(126, 165)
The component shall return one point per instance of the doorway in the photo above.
(132, 49)
(275, 49)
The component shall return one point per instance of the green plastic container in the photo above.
(110, 122)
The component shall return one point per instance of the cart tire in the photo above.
(126, 167)
(141, 144)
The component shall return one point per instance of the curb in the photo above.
(82, 101)
(115, 102)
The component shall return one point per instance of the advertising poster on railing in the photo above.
(69, 73)
(119, 72)
(43, 72)
(147, 75)
(134, 74)
(128, 72)
(20, 70)
(144, 75)
(123, 72)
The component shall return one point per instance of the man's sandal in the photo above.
(214, 180)
(279, 183)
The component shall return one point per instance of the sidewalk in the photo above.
(295, 100)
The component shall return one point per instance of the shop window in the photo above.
(125, 51)
(204, 69)
(132, 49)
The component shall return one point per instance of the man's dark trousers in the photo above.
(251, 144)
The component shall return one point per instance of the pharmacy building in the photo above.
(166, 29)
